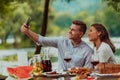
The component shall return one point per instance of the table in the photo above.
(108, 78)
(68, 78)
(54, 78)
(73, 78)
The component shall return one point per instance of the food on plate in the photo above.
(73, 70)
(90, 78)
(82, 72)
(77, 77)
(22, 72)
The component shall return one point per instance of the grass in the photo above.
(30, 55)
(10, 58)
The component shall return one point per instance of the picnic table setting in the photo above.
(39, 69)
(106, 72)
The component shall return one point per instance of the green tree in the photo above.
(115, 4)
(44, 23)
(12, 23)
(6, 8)
(112, 22)
(63, 20)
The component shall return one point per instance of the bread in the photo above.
(106, 68)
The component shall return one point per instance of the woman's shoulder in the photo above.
(104, 46)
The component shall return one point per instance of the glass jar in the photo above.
(46, 62)
(35, 61)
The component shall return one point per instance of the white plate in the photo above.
(50, 75)
(54, 75)
(72, 74)
(104, 75)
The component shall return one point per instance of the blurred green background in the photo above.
(13, 13)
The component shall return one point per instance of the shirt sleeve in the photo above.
(48, 41)
(88, 59)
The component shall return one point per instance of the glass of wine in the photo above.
(67, 58)
(95, 61)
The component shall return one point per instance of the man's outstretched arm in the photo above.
(32, 35)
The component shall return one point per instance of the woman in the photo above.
(103, 47)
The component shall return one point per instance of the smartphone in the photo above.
(28, 22)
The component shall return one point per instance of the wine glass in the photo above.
(67, 58)
(95, 61)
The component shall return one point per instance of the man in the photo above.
(78, 49)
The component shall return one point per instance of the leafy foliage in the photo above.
(10, 24)
(6, 6)
(63, 20)
(112, 22)
(114, 3)
(13, 13)
(117, 52)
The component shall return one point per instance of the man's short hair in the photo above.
(82, 25)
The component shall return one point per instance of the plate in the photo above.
(51, 74)
(72, 74)
(105, 75)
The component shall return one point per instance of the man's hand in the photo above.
(25, 29)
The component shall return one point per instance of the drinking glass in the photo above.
(46, 62)
(35, 61)
(67, 58)
(95, 61)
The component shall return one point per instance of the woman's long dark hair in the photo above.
(104, 35)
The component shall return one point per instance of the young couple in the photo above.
(81, 53)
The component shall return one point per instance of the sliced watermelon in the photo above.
(11, 70)
(26, 68)
(21, 75)
(21, 71)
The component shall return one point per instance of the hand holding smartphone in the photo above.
(28, 22)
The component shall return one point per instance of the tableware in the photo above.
(46, 62)
(108, 75)
(54, 74)
(72, 74)
(95, 61)
(67, 58)
(35, 61)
